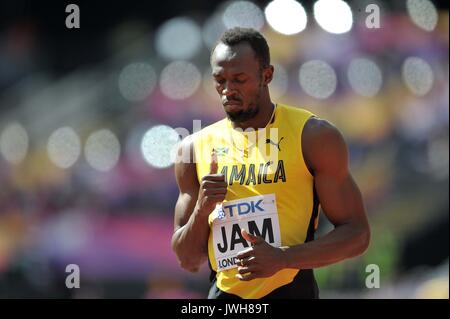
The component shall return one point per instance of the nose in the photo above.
(228, 89)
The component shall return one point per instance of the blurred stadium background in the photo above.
(87, 120)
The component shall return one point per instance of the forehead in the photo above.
(237, 58)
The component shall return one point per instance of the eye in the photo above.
(219, 80)
(240, 79)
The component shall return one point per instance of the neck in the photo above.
(260, 120)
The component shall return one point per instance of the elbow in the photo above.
(363, 239)
(187, 262)
(189, 266)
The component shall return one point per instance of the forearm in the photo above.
(343, 242)
(190, 242)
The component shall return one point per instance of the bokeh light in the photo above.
(334, 16)
(137, 81)
(14, 143)
(178, 39)
(158, 146)
(64, 147)
(318, 79)
(365, 77)
(286, 16)
(243, 14)
(102, 150)
(418, 75)
(423, 13)
(179, 80)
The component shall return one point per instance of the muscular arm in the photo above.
(326, 155)
(194, 204)
(191, 229)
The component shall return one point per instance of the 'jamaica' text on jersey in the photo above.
(247, 175)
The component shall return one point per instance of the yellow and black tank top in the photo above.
(270, 193)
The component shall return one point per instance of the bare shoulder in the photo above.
(323, 144)
(185, 148)
(320, 129)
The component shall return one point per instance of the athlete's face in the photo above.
(238, 79)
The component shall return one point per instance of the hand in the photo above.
(213, 188)
(259, 261)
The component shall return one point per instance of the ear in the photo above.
(268, 74)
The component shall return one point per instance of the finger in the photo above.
(246, 269)
(213, 166)
(214, 177)
(215, 191)
(248, 277)
(213, 184)
(246, 262)
(245, 253)
(216, 198)
(251, 238)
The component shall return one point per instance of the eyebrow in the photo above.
(235, 74)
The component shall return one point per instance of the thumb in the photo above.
(214, 165)
(251, 238)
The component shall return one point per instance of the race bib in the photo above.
(257, 214)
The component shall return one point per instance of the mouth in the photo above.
(232, 106)
(232, 102)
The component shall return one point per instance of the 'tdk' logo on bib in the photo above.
(258, 215)
(240, 209)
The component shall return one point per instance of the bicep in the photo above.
(340, 198)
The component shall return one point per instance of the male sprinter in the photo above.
(255, 220)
